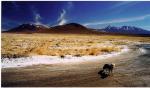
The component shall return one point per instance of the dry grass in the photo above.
(18, 45)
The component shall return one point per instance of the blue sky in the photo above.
(94, 14)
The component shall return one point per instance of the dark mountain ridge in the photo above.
(71, 28)
(75, 28)
(28, 28)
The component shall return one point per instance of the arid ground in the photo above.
(132, 67)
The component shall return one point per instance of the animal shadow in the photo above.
(102, 74)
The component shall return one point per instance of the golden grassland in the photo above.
(18, 45)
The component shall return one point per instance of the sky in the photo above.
(92, 14)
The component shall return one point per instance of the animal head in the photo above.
(113, 64)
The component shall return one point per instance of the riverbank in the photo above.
(43, 59)
(128, 72)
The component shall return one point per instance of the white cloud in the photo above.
(62, 22)
(121, 20)
(36, 16)
(62, 18)
(37, 19)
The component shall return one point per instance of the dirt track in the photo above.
(132, 69)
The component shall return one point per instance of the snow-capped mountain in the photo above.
(125, 30)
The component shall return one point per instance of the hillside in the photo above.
(75, 28)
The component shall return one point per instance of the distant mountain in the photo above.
(29, 28)
(75, 28)
(126, 30)
(72, 28)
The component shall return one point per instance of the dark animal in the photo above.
(103, 73)
(107, 69)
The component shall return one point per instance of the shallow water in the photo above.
(144, 59)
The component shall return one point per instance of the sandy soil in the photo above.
(129, 71)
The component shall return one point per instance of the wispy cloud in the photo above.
(122, 6)
(62, 18)
(37, 19)
(36, 16)
(121, 20)
(123, 3)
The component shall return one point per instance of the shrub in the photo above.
(62, 56)
(78, 55)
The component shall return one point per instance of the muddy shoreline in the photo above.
(128, 72)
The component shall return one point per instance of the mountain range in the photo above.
(126, 30)
(75, 28)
